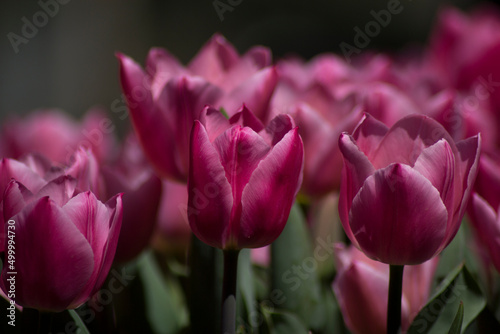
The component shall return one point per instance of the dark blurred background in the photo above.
(69, 62)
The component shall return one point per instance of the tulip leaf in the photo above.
(246, 292)
(165, 307)
(456, 326)
(224, 112)
(283, 323)
(82, 329)
(294, 272)
(440, 311)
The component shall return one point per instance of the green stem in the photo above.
(229, 291)
(394, 302)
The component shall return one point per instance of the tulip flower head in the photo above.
(404, 190)
(242, 183)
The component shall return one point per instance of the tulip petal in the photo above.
(245, 117)
(270, 192)
(100, 224)
(362, 295)
(487, 227)
(12, 169)
(398, 217)
(469, 150)
(437, 164)
(16, 196)
(368, 134)
(240, 150)
(214, 122)
(53, 278)
(214, 59)
(161, 66)
(59, 190)
(210, 194)
(181, 102)
(356, 169)
(255, 92)
(405, 141)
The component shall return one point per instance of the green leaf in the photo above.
(82, 329)
(165, 306)
(440, 311)
(294, 272)
(246, 302)
(456, 326)
(224, 112)
(284, 323)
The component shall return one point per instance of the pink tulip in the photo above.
(484, 209)
(165, 98)
(404, 190)
(141, 190)
(173, 229)
(74, 239)
(56, 136)
(361, 287)
(464, 51)
(242, 184)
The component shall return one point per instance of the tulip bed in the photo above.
(261, 196)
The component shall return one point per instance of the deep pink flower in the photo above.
(74, 239)
(56, 136)
(484, 209)
(242, 184)
(404, 190)
(361, 286)
(165, 98)
(141, 189)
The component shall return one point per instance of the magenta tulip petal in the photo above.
(487, 227)
(369, 133)
(210, 198)
(59, 190)
(245, 117)
(161, 66)
(469, 150)
(10, 168)
(255, 92)
(63, 261)
(404, 142)
(398, 217)
(275, 180)
(214, 122)
(260, 56)
(437, 164)
(98, 223)
(181, 102)
(140, 204)
(16, 196)
(356, 169)
(216, 57)
(362, 295)
(278, 128)
(240, 150)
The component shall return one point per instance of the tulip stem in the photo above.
(394, 303)
(229, 291)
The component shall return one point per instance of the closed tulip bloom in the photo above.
(404, 190)
(242, 184)
(361, 287)
(64, 245)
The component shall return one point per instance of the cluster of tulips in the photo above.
(233, 152)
